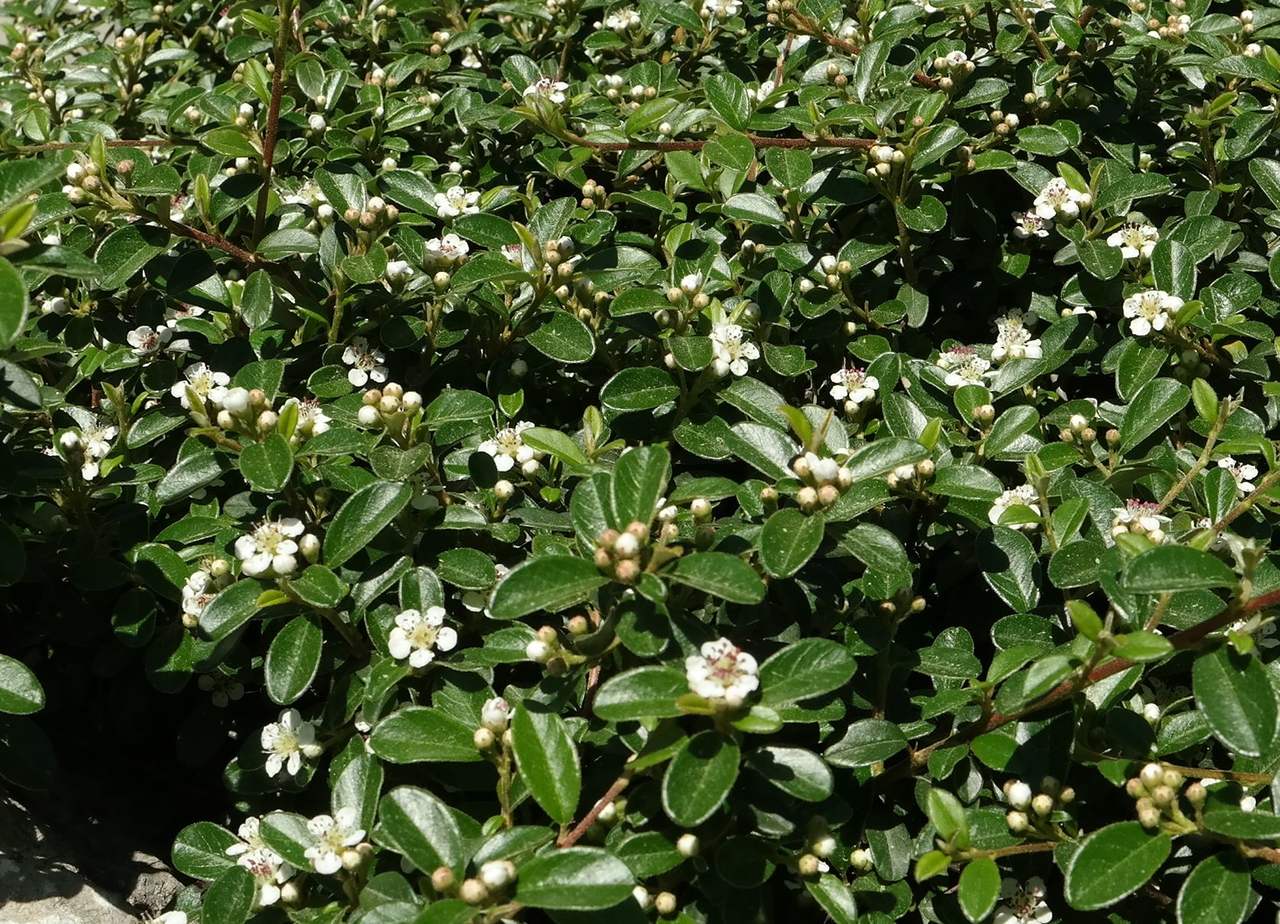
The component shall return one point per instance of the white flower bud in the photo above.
(688, 845)
(504, 490)
(538, 650)
(368, 416)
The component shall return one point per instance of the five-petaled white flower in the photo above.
(1140, 517)
(1023, 904)
(1029, 224)
(1134, 240)
(508, 448)
(416, 635)
(722, 672)
(853, 386)
(447, 249)
(147, 340)
(1243, 472)
(1059, 200)
(622, 19)
(366, 363)
(732, 352)
(209, 385)
(312, 420)
(456, 201)
(963, 366)
(269, 871)
(1022, 496)
(271, 547)
(96, 440)
(1014, 340)
(288, 742)
(333, 835)
(547, 88)
(720, 9)
(200, 588)
(1150, 310)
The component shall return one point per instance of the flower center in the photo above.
(424, 636)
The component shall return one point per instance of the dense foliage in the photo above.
(696, 460)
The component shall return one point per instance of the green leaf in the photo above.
(1217, 891)
(1151, 408)
(699, 778)
(365, 514)
(639, 480)
(191, 473)
(835, 897)
(200, 850)
(720, 574)
(1113, 862)
(799, 773)
(231, 609)
(805, 669)
(267, 465)
(13, 304)
(549, 582)
(753, 207)
(548, 761)
(640, 693)
(229, 898)
(882, 456)
(454, 405)
(866, 742)
(127, 250)
(293, 659)
(788, 540)
(727, 96)
(421, 827)
(638, 388)
(563, 338)
(933, 863)
(1009, 427)
(1176, 567)
(574, 879)
(319, 587)
(979, 888)
(419, 734)
(947, 815)
(1255, 825)
(1235, 694)
(1173, 267)
(257, 299)
(1142, 646)
(20, 691)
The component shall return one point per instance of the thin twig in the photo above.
(581, 828)
(1263, 487)
(108, 142)
(760, 141)
(1224, 411)
(273, 120)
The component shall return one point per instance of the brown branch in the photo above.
(760, 141)
(1224, 411)
(273, 120)
(110, 143)
(209, 240)
(581, 828)
(1187, 638)
(1263, 487)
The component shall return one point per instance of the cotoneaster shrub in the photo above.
(708, 462)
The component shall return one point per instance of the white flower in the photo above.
(1023, 904)
(853, 386)
(547, 88)
(764, 91)
(964, 366)
(417, 633)
(507, 447)
(312, 420)
(732, 353)
(269, 871)
(398, 270)
(722, 672)
(270, 547)
(1243, 472)
(1134, 240)
(1029, 224)
(146, 340)
(1140, 517)
(622, 19)
(96, 440)
(333, 835)
(200, 588)
(316, 122)
(456, 201)
(1024, 496)
(1013, 339)
(495, 714)
(210, 386)
(1058, 199)
(720, 9)
(1150, 310)
(287, 742)
(691, 284)
(471, 60)
(447, 249)
(366, 363)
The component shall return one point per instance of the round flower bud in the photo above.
(538, 650)
(473, 892)
(1173, 779)
(1042, 805)
(236, 400)
(860, 859)
(807, 498)
(905, 472)
(1149, 817)
(1019, 794)
(497, 874)
(309, 545)
(291, 893)
(808, 865)
(519, 368)
(925, 468)
(844, 478)
(665, 903)
(530, 467)
(1196, 794)
(267, 420)
(642, 897)
(801, 467)
(828, 494)
(410, 402)
(368, 416)
(824, 846)
(1133, 786)
(626, 571)
(1152, 775)
(688, 845)
(503, 490)
(638, 529)
(69, 440)
(351, 859)
(700, 507)
(1017, 822)
(1163, 796)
